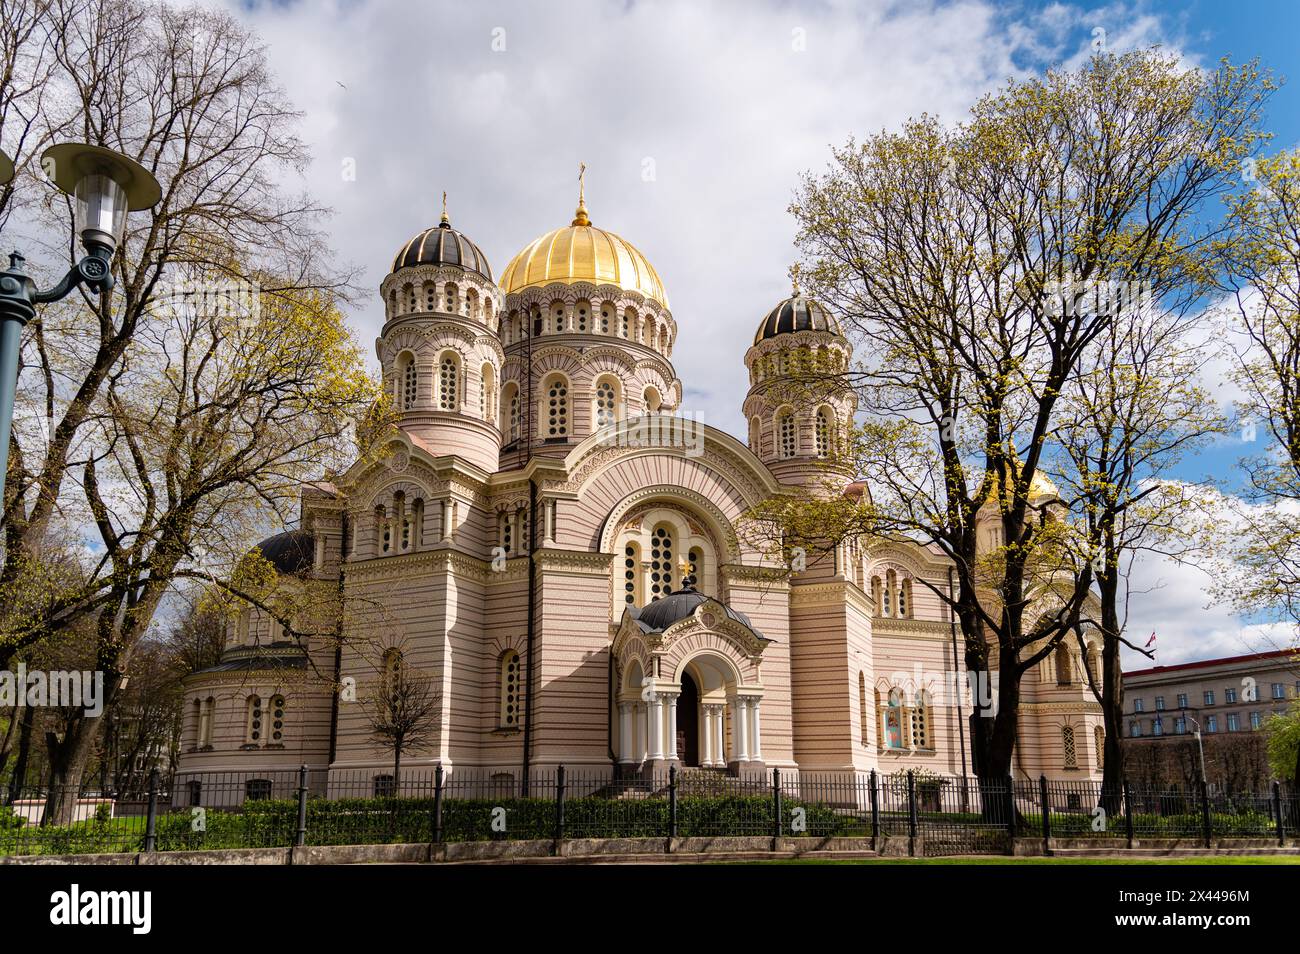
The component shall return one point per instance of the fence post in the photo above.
(437, 805)
(1128, 813)
(911, 813)
(301, 838)
(875, 811)
(1047, 814)
(1277, 813)
(1011, 812)
(1205, 812)
(559, 806)
(151, 821)
(776, 804)
(672, 801)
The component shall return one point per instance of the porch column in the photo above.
(656, 719)
(740, 730)
(642, 721)
(720, 739)
(707, 757)
(626, 727)
(756, 744)
(672, 727)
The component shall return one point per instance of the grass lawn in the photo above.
(995, 860)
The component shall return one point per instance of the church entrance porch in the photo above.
(688, 723)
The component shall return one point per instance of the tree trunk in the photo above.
(19, 778)
(1112, 699)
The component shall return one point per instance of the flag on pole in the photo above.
(1150, 642)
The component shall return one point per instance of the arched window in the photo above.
(1099, 740)
(622, 331)
(864, 720)
(651, 400)
(891, 721)
(487, 393)
(407, 381)
(510, 693)
(557, 406)
(1067, 747)
(506, 533)
(823, 433)
(631, 574)
(605, 406)
(787, 435)
(582, 309)
(891, 587)
(755, 433)
(661, 562)
(920, 720)
(206, 713)
(1064, 674)
(471, 303)
(390, 675)
(448, 378)
(452, 299)
(510, 413)
(877, 596)
(383, 531)
(696, 560)
(277, 720)
(430, 297)
(410, 299)
(606, 313)
(253, 731)
(557, 318)
(416, 521)
(905, 599)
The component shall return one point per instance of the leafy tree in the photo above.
(947, 252)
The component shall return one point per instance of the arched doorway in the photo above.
(688, 722)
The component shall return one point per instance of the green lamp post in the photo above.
(105, 186)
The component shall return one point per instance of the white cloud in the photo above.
(716, 95)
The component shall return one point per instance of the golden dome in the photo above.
(580, 252)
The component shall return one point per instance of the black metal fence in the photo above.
(923, 814)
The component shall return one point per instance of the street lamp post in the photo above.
(105, 185)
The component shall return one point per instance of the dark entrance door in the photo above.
(688, 722)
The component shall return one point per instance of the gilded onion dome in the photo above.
(796, 313)
(443, 245)
(580, 252)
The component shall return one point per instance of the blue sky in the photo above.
(725, 104)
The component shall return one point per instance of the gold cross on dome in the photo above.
(684, 567)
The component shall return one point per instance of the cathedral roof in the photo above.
(290, 552)
(796, 313)
(580, 252)
(443, 245)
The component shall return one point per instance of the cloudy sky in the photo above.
(694, 120)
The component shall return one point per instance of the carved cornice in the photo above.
(911, 628)
(573, 561)
(775, 577)
(440, 559)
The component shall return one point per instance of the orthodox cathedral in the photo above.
(538, 450)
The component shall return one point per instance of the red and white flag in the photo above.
(1150, 642)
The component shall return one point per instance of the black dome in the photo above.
(290, 552)
(443, 245)
(663, 612)
(796, 314)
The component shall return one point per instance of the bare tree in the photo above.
(178, 415)
(946, 252)
(402, 709)
(1129, 415)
